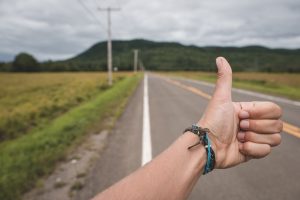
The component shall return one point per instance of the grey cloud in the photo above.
(59, 29)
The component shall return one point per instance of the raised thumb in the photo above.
(224, 81)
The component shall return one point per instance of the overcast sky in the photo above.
(58, 29)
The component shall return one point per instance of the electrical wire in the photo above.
(91, 14)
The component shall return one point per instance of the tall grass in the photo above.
(26, 158)
(31, 100)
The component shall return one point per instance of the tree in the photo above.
(25, 62)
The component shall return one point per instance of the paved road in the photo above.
(173, 108)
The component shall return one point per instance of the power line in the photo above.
(109, 42)
(104, 2)
(91, 13)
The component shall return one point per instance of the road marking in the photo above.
(190, 88)
(288, 128)
(291, 129)
(147, 146)
(250, 93)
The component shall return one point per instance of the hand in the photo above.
(239, 130)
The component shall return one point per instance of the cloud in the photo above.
(56, 29)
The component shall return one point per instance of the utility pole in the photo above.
(136, 55)
(141, 66)
(109, 45)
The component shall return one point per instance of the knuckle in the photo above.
(254, 112)
(253, 124)
(249, 136)
(248, 147)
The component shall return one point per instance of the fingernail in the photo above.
(219, 61)
(244, 124)
(241, 136)
(244, 114)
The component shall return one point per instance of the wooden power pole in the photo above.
(136, 58)
(109, 45)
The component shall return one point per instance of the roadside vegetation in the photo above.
(28, 101)
(33, 154)
(279, 84)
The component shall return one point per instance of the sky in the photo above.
(59, 29)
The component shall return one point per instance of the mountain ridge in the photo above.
(168, 56)
(177, 56)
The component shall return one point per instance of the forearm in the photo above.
(171, 175)
(238, 131)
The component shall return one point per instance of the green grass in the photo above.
(29, 100)
(25, 159)
(283, 85)
(269, 88)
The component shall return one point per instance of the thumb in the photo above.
(223, 86)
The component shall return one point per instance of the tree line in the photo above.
(164, 56)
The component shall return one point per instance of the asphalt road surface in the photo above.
(174, 105)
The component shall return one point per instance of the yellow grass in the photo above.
(28, 100)
(287, 79)
(25, 159)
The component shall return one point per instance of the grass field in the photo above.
(31, 100)
(279, 84)
(24, 159)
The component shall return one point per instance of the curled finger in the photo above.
(260, 110)
(267, 126)
(270, 139)
(254, 150)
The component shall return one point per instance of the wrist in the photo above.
(204, 140)
(213, 141)
(197, 155)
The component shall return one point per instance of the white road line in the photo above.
(250, 93)
(147, 146)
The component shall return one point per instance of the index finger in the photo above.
(261, 110)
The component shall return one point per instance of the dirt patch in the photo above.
(69, 177)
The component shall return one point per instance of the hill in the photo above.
(172, 56)
(175, 56)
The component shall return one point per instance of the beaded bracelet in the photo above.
(202, 133)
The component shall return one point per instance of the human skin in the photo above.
(239, 131)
